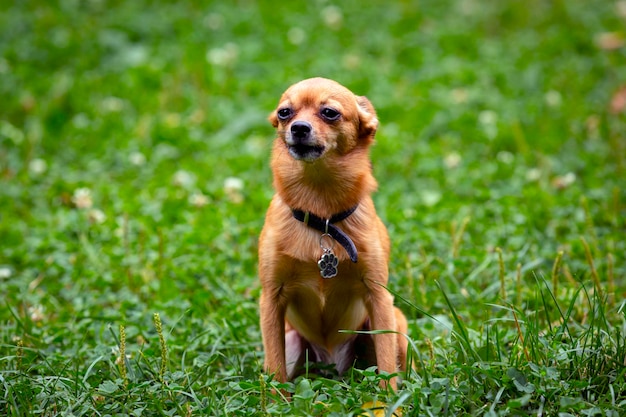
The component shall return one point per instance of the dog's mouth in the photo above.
(304, 152)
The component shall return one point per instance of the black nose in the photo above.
(300, 129)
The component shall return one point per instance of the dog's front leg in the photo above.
(273, 330)
(382, 317)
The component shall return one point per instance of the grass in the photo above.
(134, 178)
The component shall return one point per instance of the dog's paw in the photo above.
(328, 265)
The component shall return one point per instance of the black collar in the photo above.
(321, 224)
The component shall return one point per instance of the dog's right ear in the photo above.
(368, 122)
(273, 118)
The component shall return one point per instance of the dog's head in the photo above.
(316, 117)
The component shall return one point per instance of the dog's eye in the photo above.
(330, 114)
(284, 114)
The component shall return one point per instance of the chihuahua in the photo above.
(323, 251)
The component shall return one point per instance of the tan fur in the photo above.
(294, 296)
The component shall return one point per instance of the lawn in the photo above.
(134, 178)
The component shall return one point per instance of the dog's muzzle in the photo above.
(301, 142)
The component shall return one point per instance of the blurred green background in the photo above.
(134, 169)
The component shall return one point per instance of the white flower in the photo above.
(488, 119)
(36, 313)
(332, 16)
(137, 158)
(564, 181)
(232, 188)
(112, 104)
(430, 197)
(533, 174)
(198, 200)
(82, 198)
(553, 98)
(452, 160)
(96, 216)
(505, 157)
(37, 166)
(183, 178)
(5, 272)
(233, 184)
(409, 213)
(223, 56)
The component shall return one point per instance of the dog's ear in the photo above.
(273, 118)
(368, 122)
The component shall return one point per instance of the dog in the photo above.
(323, 251)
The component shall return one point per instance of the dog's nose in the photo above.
(301, 129)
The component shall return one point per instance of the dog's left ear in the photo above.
(368, 122)
(273, 118)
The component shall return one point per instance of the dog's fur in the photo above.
(321, 165)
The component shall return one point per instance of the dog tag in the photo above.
(328, 261)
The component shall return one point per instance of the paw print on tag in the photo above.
(328, 265)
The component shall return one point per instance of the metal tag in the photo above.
(328, 261)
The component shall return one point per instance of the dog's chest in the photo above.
(318, 308)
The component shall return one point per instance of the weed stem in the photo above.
(159, 329)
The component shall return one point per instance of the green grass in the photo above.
(502, 182)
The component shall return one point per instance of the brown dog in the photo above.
(323, 251)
